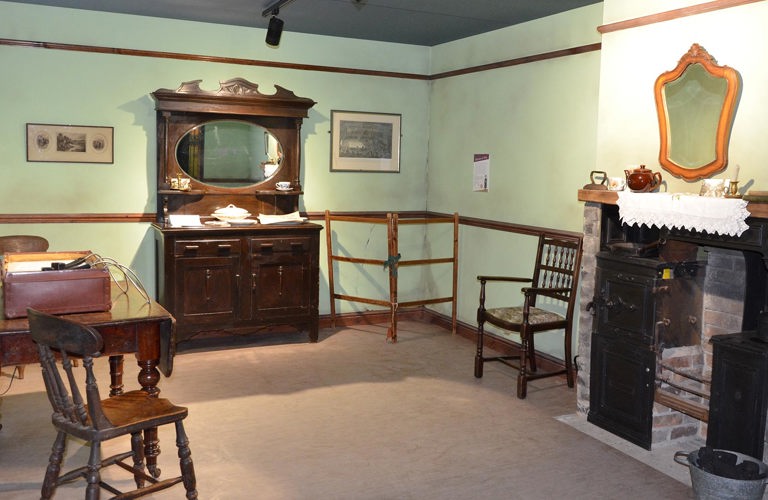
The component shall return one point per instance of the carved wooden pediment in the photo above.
(241, 96)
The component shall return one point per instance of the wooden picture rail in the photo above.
(393, 262)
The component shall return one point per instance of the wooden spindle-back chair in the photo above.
(86, 416)
(555, 281)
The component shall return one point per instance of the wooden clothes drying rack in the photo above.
(393, 262)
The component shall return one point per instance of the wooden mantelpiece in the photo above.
(601, 196)
(756, 209)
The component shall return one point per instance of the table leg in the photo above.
(149, 376)
(116, 375)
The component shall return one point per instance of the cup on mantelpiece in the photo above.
(183, 183)
(617, 183)
(714, 188)
(283, 186)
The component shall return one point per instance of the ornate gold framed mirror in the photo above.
(696, 103)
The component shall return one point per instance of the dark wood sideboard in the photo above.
(229, 281)
(231, 146)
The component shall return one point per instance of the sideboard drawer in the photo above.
(272, 245)
(206, 248)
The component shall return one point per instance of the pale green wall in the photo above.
(536, 120)
(546, 125)
(633, 58)
(64, 87)
(523, 116)
(538, 123)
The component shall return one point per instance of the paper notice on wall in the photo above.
(481, 171)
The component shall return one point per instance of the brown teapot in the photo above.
(642, 180)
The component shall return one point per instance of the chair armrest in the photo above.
(504, 278)
(530, 290)
(484, 279)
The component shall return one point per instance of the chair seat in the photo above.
(514, 315)
(129, 412)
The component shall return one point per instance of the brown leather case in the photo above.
(54, 292)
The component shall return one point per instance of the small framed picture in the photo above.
(69, 143)
(365, 142)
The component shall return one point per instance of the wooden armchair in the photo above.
(22, 243)
(548, 305)
(95, 420)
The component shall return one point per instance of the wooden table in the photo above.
(132, 325)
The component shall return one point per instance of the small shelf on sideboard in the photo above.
(278, 192)
(190, 192)
(200, 192)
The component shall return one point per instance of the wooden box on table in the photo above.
(63, 291)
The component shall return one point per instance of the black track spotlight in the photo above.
(274, 30)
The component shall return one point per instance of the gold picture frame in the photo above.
(69, 143)
(365, 142)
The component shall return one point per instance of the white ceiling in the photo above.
(417, 22)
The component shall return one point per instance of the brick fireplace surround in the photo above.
(723, 310)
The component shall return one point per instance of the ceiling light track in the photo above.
(274, 8)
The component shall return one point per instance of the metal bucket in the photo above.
(708, 486)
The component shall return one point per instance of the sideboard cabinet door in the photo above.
(208, 281)
(281, 276)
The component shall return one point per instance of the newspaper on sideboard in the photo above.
(291, 218)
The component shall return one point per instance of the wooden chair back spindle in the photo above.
(67, 339)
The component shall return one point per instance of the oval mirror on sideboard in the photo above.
(229, 153)
(696, 103)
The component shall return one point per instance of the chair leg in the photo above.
(137, 446)
(531, 352)
(479, 353)
(54, 466)
(568, 357)
(93, 474)
(522, 377)
(185, 462)
(20, 371)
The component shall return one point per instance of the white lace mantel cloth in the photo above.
(684, 211)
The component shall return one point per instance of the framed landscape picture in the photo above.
(365, 142)
(69, 143)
